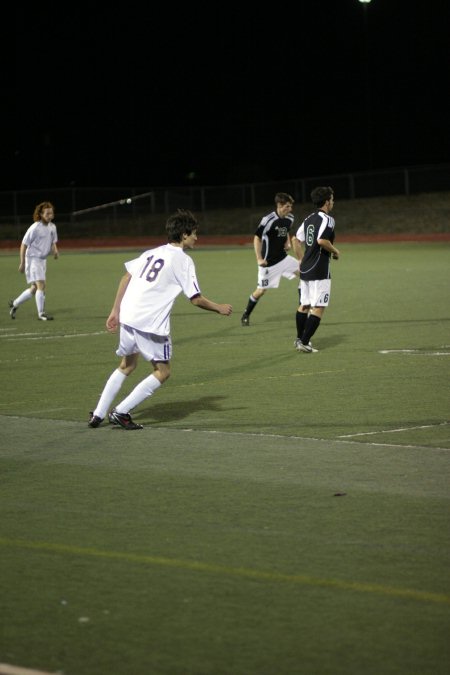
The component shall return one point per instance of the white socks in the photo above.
(112, 387)
(110, 391)
(23, 297)
(39, 297)
(40, 301)
(141, 391)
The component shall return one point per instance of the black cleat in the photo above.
(94, 421)
(245, 319)
(123, 420)
(12, 309)
(45, 317)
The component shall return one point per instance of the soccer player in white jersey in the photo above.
(37, 244)
(142, 309)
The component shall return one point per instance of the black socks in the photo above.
(312, 324)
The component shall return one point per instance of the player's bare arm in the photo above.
(112, 322)
(297, 247)
(23, 250)
(204, 303)
(328, 246)
(257, 245)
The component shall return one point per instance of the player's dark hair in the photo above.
(179, 223)
(283, 198)
(320, 195)
(40, 208)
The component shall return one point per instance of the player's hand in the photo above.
(111, 327)
(112, 322)
(226, 310)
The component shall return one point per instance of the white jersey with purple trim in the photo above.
(158, 276)
(39, 239)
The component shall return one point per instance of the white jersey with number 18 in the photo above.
(158, 276)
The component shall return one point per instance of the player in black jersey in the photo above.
(271, 243)
(313, 244)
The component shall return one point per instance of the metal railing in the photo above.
(112, 206)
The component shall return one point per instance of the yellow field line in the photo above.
(245, 573)
(7, 669)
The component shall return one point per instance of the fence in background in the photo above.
(84, 208)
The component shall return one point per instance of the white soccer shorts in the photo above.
(269, 277)
(151, 347)
(315, 293)
(35, 269)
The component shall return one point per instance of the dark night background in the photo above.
(214, 94)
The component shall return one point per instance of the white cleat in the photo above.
(308, 349)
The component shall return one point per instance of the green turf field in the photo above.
(280, 513)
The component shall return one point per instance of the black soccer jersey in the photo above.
(274, 231)
(315, 263)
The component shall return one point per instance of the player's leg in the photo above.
(23, 297)
(112, 387)
(154, 348)
(301, 315)
(319, 298)
(40, 300)
(145, 388)
(128, 350)
(311, 325)
(251, 304)
(27, 294)
(268, 277)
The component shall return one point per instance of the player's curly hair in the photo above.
(179, 223)
(320, 195)
(40, 208)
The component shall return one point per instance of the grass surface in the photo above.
(212, 541)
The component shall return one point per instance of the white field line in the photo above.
(337, 439)
(30, 336)
(416, 352)
(300, 438)
(393, 431)
(44, 410)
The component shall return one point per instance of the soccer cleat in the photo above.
(94, 421)
(245, 319)
(123, 420)
(45, 317)
(12, 309)
(308, 349)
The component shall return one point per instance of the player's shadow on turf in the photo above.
(178, 410)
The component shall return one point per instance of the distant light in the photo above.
(129, 200)
(364, 1)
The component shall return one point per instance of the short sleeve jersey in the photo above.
(39, 239)
(315, 263)
(158, 276)
(273, 232)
